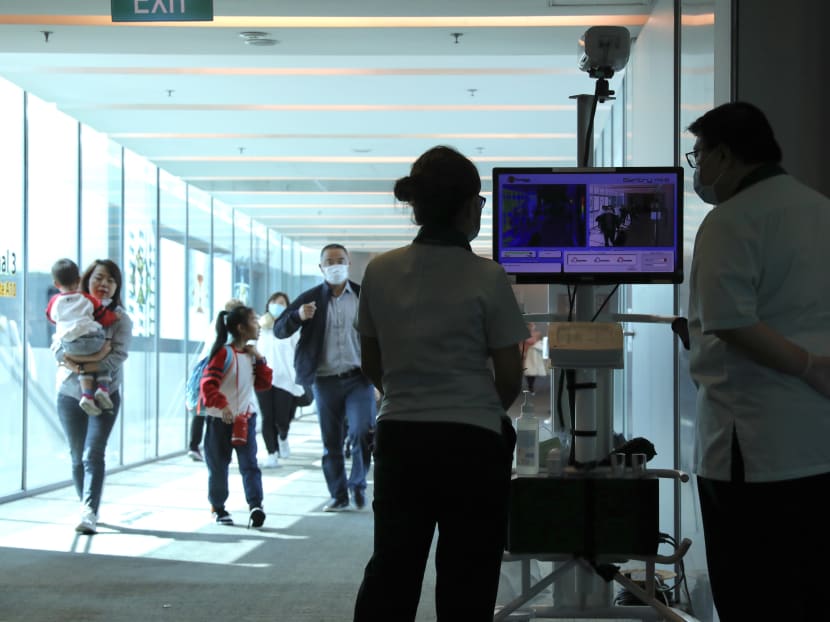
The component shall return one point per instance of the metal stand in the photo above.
(653, 608)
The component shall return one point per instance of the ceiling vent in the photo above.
(257, 37)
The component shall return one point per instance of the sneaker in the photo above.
(195, 455)
(336, 506)
(102, 398)
(88, 524)
(359, 497)
(223, 517)
(285, 450)
(89, 406)
(271, 462)
(256, 518)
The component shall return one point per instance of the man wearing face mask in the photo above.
(328, 358)
(759, 311)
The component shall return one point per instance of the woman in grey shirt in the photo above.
(87, 435)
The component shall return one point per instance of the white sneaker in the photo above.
(102, 398)
(89, 406)
(285, 450)
(271, 462)
(89, 522)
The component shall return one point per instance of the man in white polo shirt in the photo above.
(759, 322)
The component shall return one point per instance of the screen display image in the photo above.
(604, 225)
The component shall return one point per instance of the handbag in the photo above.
(307, 398)
(239, 433)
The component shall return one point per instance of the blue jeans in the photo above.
(87, 437)
(218, 456)
(341, 400)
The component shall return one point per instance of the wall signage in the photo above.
(162, 10)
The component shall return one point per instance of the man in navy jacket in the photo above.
(327, 357)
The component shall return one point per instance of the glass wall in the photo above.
(52, 192)
(139, 266)
(15, 351)
(172, 286)
(697, 95)
(176, 247)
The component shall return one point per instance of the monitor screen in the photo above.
(589, 225)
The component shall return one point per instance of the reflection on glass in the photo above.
(12, 343)
(52, 182)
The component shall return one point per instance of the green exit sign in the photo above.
(162, 10)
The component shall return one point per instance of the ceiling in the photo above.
(308, 135)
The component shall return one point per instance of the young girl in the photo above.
(227, 395)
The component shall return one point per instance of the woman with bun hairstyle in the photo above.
(440, 332)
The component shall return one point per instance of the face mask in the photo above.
(706, 193)
(336, 275)
(275, 308)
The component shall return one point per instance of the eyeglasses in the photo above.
(693, 158)
(481, 201)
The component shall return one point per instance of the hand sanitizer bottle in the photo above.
(527, 439)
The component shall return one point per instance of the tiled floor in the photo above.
(143, 503)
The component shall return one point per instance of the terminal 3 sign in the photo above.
(162, 10)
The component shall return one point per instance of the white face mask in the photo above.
(275, 308)
(337, 274)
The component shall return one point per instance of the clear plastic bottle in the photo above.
(527, 438)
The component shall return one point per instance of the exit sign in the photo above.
(162, 10)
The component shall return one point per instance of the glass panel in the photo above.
(275, 274)
(52, 182)
(172, 283)
(15, 350)
(697, 95)
(308, 261)
(139, 403)
(242, 258)
(259, 267)
(101, 220)
(222, 254)
(650, 359)
(201, 310)
(100, 197)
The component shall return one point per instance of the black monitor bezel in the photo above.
(599, 278)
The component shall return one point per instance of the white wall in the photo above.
(782, 53)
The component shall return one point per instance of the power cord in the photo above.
(662, 589)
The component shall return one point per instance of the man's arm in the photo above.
(769, 348)
(289, 320)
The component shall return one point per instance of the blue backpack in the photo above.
(192, 392)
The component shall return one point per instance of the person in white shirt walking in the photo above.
(278, 403)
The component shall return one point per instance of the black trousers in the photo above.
(450, 476)
(766, 547)
(278, 408)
